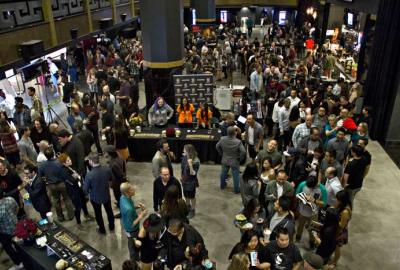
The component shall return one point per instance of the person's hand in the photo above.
(178, 267)
(190, 162)
(143, 213)
(141, 205)
(258, 265)
(85, 121)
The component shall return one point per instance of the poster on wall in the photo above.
(198, 88)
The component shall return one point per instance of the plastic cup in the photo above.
(49, 216)
(267, 234)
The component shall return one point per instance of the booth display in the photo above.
(143, 144)
(56, 243)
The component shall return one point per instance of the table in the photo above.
(143, 145)
(35, 258)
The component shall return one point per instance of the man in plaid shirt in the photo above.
(8, 221)
(302, 130)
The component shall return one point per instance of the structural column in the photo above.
(205, 11)
(114, 11)
(324, 26)
(86, 4)
(48, 17)
(162, 35)
(132, 5)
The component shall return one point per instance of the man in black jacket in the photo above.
(75, 150)
(36, 188)
(281, 217)
(182, 243)
(161, 184)
(85, 136)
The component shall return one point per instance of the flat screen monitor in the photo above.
(282, 17)
(224, 16)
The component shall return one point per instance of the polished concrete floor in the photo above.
(374, 234)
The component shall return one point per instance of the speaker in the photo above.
(74, 33)
(105, 23)
(31, 49)
(128, 33)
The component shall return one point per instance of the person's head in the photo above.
(25, 131)
(330, 155)
(363, 142)
(340, 134)
(331, 218)
(329, 89)
(252, 207)
(330, 172)
(230, 118)
(78, 125)
(272, 145)
(312, 261)
(49, 153)
(281, 177)
(163, 145)
(266, 164)
(38, 124)
(311, 182)
(65, 159)
(172, 194)
(249, 239)
(127, 189)
(175, 227)
(164, 174)
(356, 151)
(366, 111)
(293, 93)
(363, 128)
(321, 111)
(53, 127)
(43, 145)
(185, 102)
(286, 102)
(3, 115)
(106, 89)
(75, 109)
(94, 159)
(130, 265)
(250, 120)
(160, 102)
(314, 134)
(3, 167)
(240, 261)
(343, 200)
(231, 131)
(250, 172)
(282, 237)
(31, 91)
(63, 137)
(30, 170)
(190, 151)
(258, 69)
(309, 120)
(282, 204)
(344, 113)
(332, 120)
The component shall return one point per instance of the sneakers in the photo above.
(17, 267)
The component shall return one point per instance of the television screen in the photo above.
(224, 16)
(282, 17)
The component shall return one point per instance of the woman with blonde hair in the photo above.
(240, 261)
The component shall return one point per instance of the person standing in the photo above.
(256, 80)
(53, 70)
(250, 184)
(283, 123)
(73, 183)
(36, 188)
(91, 120)
(51, 169)
(254, 134)
(97, 186)
(73, 147)
(332, 185)
(9, 143)
(37, 106)
(27, 150)
(160, 186)
(185, 112)
(130, 218)
(190, 167)
(232, 151)
(355, 172)
(340, 144)
(8, 222)
(162, 158)
(277, 188)
(22, 115)
(84, 135)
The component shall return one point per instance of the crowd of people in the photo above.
(303, 145)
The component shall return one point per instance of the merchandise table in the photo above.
(143, 145)
(61, 244)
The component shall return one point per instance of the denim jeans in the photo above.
(235, 175)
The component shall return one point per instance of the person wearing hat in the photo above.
(96, 185)
(8, 222)
(72, 146)
(312, 261)
(130, 219)
(148, 236)
(22, 114)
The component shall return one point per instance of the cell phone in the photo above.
(43, 222)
